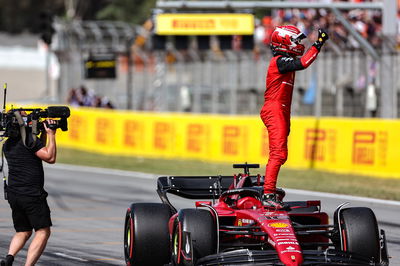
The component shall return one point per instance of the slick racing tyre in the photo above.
(194, 236)
(360, 234)
(146, 237)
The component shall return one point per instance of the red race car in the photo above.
(234, 228)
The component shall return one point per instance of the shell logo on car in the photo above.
(278, 225)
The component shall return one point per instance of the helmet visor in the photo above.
(298, 38)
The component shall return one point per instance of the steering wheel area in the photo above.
(233, 197)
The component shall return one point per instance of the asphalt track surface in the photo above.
(89, 204)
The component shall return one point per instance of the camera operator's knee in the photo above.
(24, 235)
(43, 233)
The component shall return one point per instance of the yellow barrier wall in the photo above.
(360, 146)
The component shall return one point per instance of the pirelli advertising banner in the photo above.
(359, 146)
(204, 24)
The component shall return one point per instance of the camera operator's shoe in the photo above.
(271, 200)
(8, 261)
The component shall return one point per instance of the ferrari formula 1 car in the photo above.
(234, 228)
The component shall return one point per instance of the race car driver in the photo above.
(286, 47)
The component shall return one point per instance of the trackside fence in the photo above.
(343, 83)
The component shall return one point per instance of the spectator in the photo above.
(74, 98)
(367, 22)
(85, 97)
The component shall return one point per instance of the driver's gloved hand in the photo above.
(322, 38)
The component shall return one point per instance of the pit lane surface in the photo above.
(88, 209)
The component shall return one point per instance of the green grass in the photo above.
(384, 188)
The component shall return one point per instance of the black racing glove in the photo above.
(322, 38)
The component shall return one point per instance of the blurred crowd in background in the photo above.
(86, 97)
(367, 22)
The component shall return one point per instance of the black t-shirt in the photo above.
(25, 169)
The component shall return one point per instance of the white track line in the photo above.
(154, 176)
(69, 257)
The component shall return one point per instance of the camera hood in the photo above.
(58, 112)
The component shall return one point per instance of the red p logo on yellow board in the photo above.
(231, 140)
(370, 148)
(133, 133)
(162, 135)
(196, 138)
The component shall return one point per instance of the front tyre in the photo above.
(146, 237)
(195, 233)
(360, 234)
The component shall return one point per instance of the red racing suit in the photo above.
(276, 110)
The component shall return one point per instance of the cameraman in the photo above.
(26, 194)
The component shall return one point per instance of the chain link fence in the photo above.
(339, 83)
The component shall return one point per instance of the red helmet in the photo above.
(287, 39)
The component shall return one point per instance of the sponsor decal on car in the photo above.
(271, 242)
(292, 251)
(241, 222)
(283, 230)
(288, 243)
(283, 234)
(278, 225)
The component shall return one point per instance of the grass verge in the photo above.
(383, 188)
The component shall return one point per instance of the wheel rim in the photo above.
(129, 241)
(175, 244)
(129, 238)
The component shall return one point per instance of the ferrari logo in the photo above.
(278, 225)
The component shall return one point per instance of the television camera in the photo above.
(23, 121)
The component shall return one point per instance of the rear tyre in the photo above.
(202, 227)
(146, 237)
(360, 234)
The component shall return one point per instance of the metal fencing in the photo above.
(345, 83)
